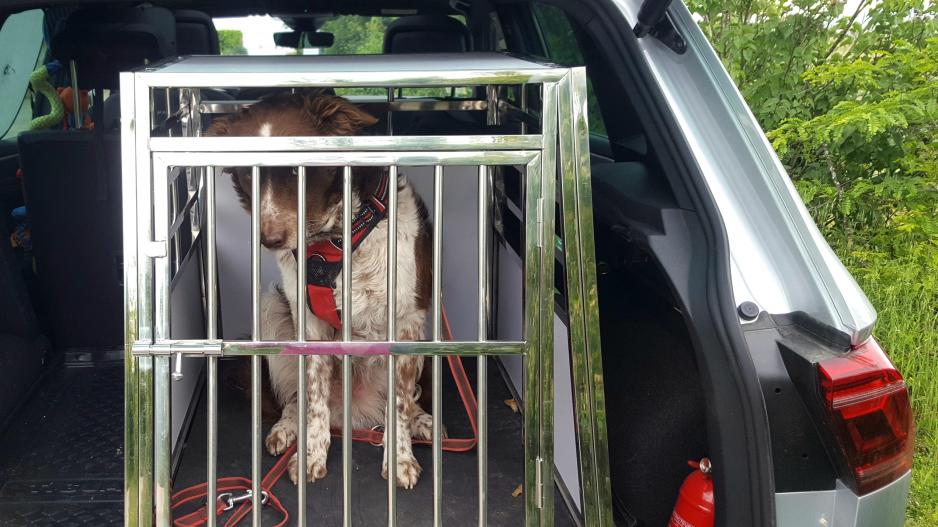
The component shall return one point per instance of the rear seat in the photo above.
(427, 34)
(195, 35)
(431, 34)
(72, 180)
(22, 349)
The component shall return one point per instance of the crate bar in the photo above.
(240, 348)
(174, 213)
(332, 159)
(298, 78)
(532, 299)
(145, 468)
(390, 429)
(129, 200)
(389, 111)
(211, 331)
(144, 277)
(437, 360)
(373, 105)
(482, 361)
(546, 359)
(524, 107)
(347, 337)
(163, 441)
(575, 310)
(345, 144)
(301, 399)
(581, 286)
(256, 337)
(359, 80)
(162, 398)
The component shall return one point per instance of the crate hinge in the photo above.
(170, 347)
(156, 249)
(540, 222)
(539, 482)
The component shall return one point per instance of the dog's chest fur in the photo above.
(369, 277)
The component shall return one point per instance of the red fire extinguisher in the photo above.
(694, 507)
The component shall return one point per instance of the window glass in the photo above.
(21, 47)
(353, 35)
(251, 35)
(357, 35)
(563, 49)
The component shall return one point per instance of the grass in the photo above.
(905, 294)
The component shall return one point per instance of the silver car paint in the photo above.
(842, 508)
(779, 259)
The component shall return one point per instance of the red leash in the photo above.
(241, 504)
(227, 500)
(466, 395)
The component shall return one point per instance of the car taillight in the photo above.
(868, 405)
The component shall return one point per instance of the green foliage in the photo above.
(868, 165)
(356, 35)
(850, 103)
(231, 42)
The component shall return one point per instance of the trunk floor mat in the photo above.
(369, 489)
(62, 456)
(61, 459)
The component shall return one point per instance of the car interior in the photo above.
(61, 294)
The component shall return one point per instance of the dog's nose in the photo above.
(272, 240)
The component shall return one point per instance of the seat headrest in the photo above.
(426, 34)
(105, 41)
(195, 33)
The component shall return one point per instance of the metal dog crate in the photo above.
(538, 112)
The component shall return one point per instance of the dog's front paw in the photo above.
(281, 437)
(315, 468)
(408, 472)
(422, 427)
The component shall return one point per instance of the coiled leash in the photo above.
(241, 502)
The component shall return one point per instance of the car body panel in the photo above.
(842, 508)
(779, 259)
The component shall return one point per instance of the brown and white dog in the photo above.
(317, 114)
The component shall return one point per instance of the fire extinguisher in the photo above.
(694, 507)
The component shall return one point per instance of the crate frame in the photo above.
(561, 150)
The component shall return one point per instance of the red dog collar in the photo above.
(324, 258)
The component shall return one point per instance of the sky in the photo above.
(258, 33)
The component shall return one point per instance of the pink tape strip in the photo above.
(341, 348)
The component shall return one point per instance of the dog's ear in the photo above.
(219, 127)
(335, 115)
(244, 196)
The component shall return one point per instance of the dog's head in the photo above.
(300, 114)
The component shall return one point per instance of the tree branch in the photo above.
(845, 30)
(845, 224)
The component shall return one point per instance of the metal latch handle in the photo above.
(231, 499)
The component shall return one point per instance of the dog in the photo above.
(321, 114)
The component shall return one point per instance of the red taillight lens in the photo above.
(868, 404)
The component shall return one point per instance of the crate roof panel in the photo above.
(359, 70)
